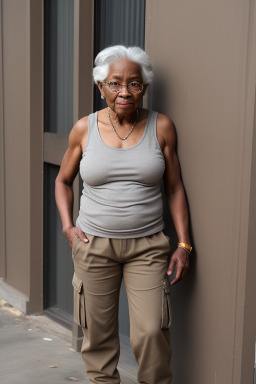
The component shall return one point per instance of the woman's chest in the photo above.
(99, 167)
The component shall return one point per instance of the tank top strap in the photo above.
(151, 128)
(92, 130)
(92, 124)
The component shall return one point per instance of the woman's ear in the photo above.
(100, 86)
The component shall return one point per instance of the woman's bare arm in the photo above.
(176, 197)
(64, 181)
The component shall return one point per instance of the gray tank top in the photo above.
(121, 195)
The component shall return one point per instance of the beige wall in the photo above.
(22, 130)
(204, 56)
(16, 132)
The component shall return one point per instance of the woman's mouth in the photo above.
(125, 105)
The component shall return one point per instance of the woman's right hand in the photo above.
(73, 233)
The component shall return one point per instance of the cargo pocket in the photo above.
(166, 305)
(79, 302)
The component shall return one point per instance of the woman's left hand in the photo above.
(180, 260)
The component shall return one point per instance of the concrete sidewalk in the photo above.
(36, 350)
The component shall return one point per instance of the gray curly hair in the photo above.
(108, 55)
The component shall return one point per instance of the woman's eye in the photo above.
(134, 84)
(114, 83)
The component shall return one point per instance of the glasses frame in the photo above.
(123, 85)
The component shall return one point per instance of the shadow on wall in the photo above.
(157, 93)
(182, 341)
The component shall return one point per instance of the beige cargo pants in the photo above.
(99, 267)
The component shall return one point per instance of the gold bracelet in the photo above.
(187, 246)
(185, 249)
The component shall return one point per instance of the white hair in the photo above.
(108, 55)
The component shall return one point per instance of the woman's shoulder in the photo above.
(80, 127)
(164, 120)
(79, 132)
(166, 128)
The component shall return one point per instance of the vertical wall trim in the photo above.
(2, 159)
(82, 93)
(36, 103)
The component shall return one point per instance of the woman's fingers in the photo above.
(84, 238)
(73, 233)
(180, 261)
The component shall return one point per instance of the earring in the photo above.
(102, 97)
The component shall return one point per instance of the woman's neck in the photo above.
(124, 119)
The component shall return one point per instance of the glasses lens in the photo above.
(114, 86)
(132, 87)
(135, 87)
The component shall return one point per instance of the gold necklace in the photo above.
(122, 138)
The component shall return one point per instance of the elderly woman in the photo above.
(123, 151)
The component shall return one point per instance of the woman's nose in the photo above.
(124, 90)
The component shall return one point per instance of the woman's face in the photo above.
(123, 71)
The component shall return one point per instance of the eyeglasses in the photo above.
(133, 87)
